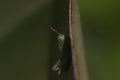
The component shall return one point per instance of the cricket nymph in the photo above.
(64, 62)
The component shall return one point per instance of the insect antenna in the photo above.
(54, 30)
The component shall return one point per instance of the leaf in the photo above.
(79, 61)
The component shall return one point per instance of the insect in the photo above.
(64, 62)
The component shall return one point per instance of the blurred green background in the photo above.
(101, 31)
(26, 39)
